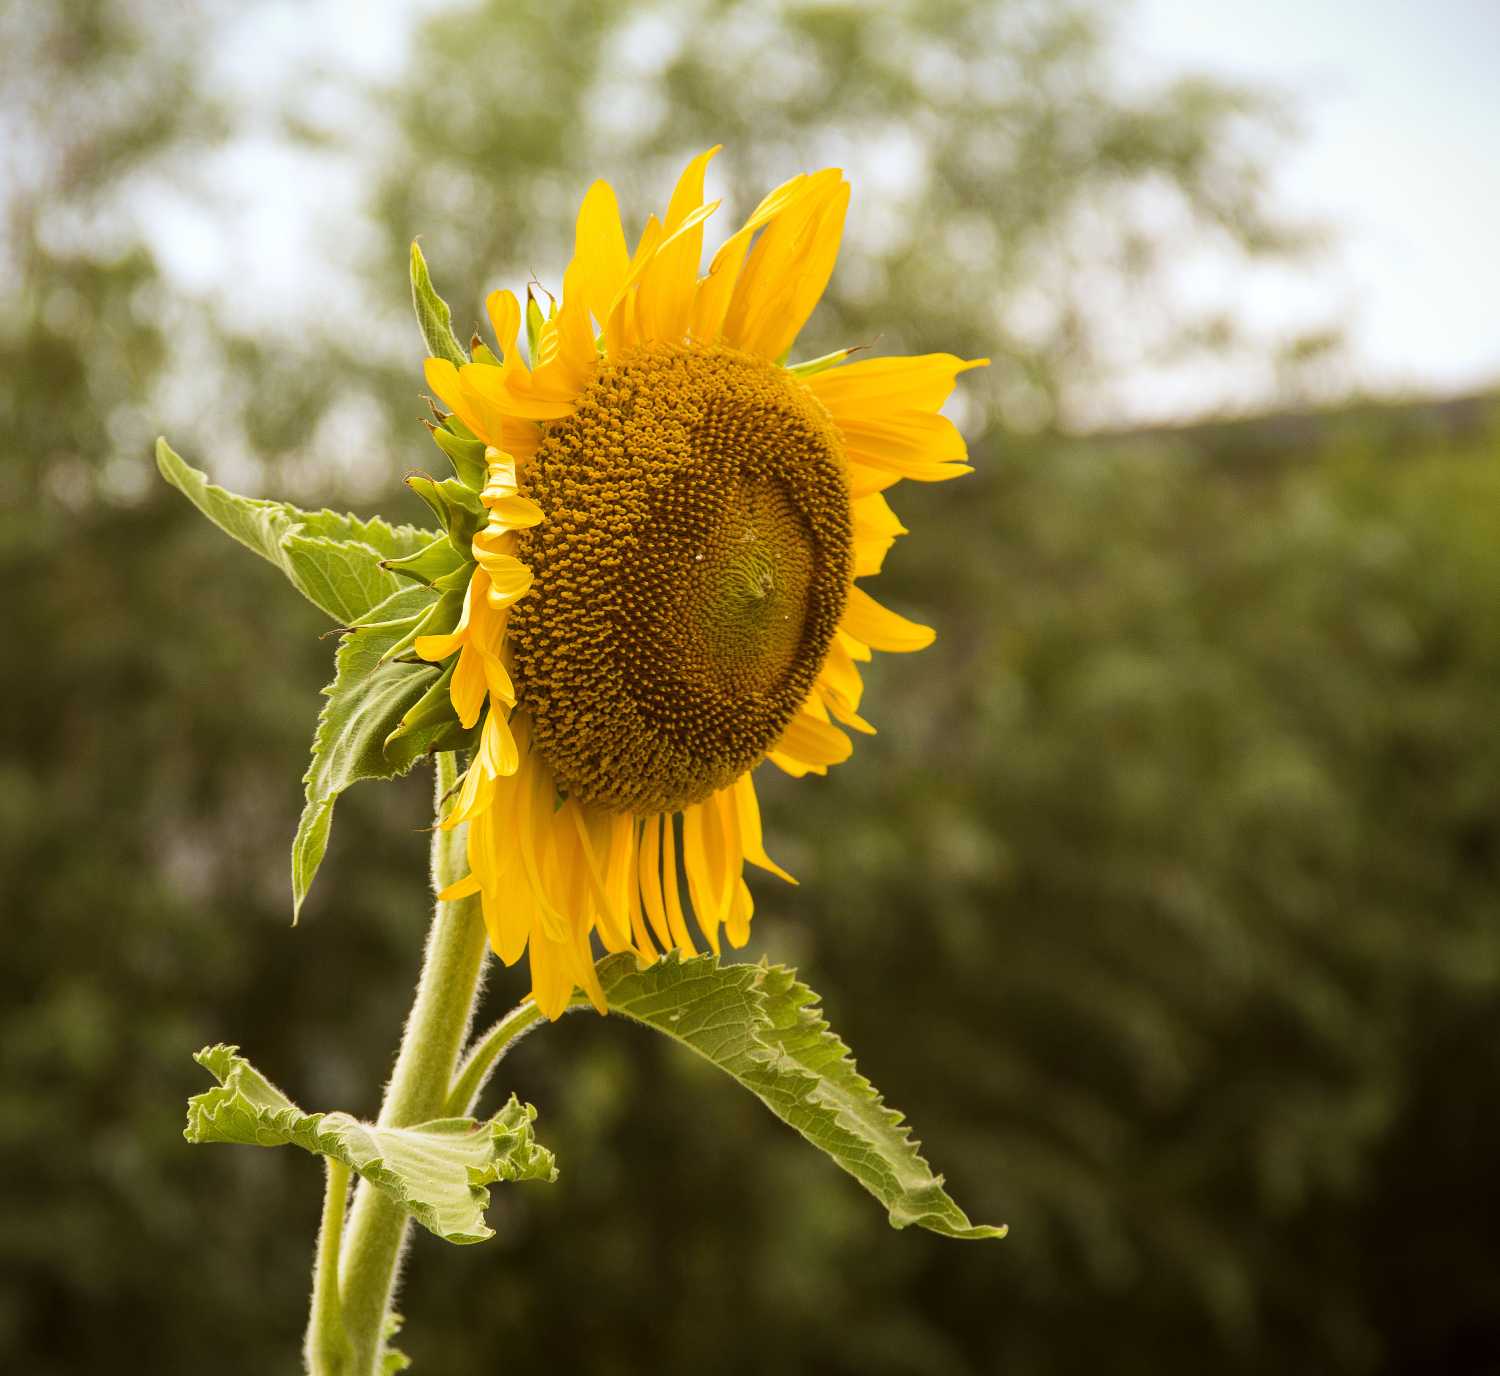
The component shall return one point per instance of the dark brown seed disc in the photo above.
(689, 576)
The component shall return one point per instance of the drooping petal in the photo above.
(882, 629)
(876, 527)
(815, 743)
(748, 810)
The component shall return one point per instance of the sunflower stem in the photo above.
(328, 1351)
(484, 1055)
(418, 1090)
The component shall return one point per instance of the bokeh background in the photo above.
(1165, 901)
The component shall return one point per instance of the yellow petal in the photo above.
(875, 530)
(737, 927)
(792, 247)
(464, 888)
(688, 194)
(675, 919)
(814, 742)
(865, 619)
(871, 386)
(599, 250)
(748, 810)
(664, 302)
(593, 869)
(703, 863)
(651, 880)
(505, 317)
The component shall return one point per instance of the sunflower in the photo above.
(664, 591)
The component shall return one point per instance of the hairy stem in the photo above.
(417, 1092)
(328, 1351)
(487, 1050)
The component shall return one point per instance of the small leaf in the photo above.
(334, 560)
(764, 1028)
(466, 454)
(814, 366)
(429, 563)
(459, 509)
(433, 314)
(366, 702)
(437, 1172)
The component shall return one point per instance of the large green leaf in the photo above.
(763, 1027)
(334, 560)
(367, 700)
(436, 1171)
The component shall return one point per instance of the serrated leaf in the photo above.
(334, 560)
(366, 702)
(433, 315)
(437, 1172)
(759, 1024)
(340, 576)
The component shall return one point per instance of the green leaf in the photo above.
(761, 1026)
(435, 1171)
(334, 560)
(366, 702)
(433, 314)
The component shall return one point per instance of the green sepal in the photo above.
(483, 353)
(437, 1172)
(433, 315)
(333, 560)
(456, 506)
(429, 563)
(818, 365)
(367, 699)
(465, 454)
(764, 1028)
(534, 322)
(440, 618)
(429, 725)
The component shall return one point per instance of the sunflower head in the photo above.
(690, 573)
(664, 526)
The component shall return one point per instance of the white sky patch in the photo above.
(1400, 154)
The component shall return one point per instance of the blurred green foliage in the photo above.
(1164, 902)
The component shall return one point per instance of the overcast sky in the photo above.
(1399, 153)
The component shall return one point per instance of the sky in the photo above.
(1398, 153)
(1399, 150)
